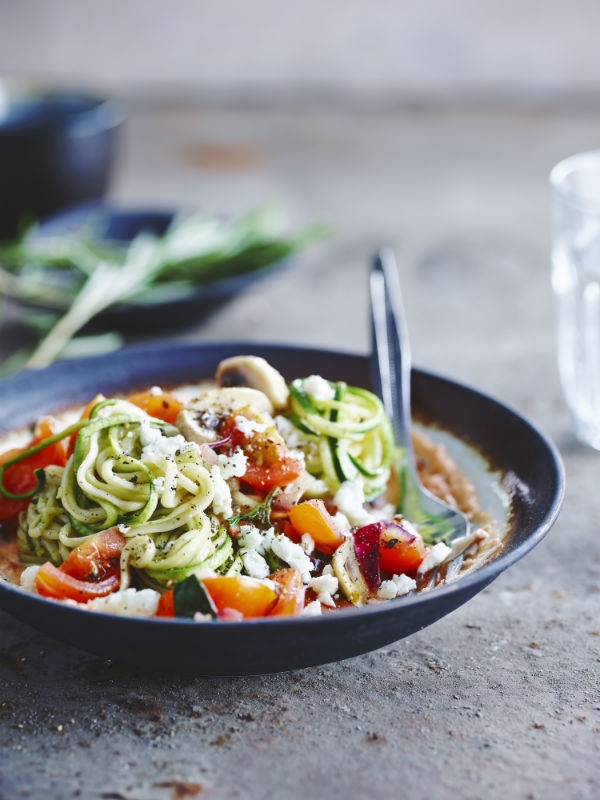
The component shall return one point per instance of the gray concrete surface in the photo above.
(500, 699)
(435, 49)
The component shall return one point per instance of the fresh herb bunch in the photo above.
(79, 274)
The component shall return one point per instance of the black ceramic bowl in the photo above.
(507, 442)
(57, 148)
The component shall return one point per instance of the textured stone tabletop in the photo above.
(499, 699)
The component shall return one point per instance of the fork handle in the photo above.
(391, 364)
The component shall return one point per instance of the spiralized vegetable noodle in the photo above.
(251, 498)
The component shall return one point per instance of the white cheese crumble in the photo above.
(132, 602)
(221, 502)
(318, 387)
(233, 466)
(293, 436)
(253, 539)
(249, 426)
(292, 554)
(325, 586)
(397, 586)
(437, 554)
(350, 500)
(156, 446)
(312, 609)
(254, 564)
(28, 578)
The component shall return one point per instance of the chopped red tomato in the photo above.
(97, 558)
(91, 570)
(51, 581)
(166, 604)
(278, 474)
(312, 517)
(249, 596)
(158, 404)
(400, 551)
(291, 591)
(269, 464)
(20, 478)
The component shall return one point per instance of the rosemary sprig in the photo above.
(79, 274)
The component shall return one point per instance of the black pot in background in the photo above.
(57, 148)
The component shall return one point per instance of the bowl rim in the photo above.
(99, 110)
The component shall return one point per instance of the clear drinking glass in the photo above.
(575, 186)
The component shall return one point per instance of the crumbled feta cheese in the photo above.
(325, 586)
(350, 499)
(384, 513)
(437, 554)
(308, 543)
(156, 446)
(200, 617)
(292, 554)
(318, 387)
(28, 578)
(326, 599)
(233, 466)
(312, 609)
(131, 602)
(221, 502)
(324, 583)
(397, 586)
(342, 522)
(254, 564)
(251, 538)
(156, 391)
(249, 426)
(292, 435)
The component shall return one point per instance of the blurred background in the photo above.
(429, 125)
(421, 51)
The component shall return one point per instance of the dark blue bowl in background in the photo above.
(57, 148)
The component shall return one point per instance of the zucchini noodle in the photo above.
(130, 471)
(346, 435)
(45, 528)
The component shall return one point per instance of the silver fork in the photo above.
(391, 368)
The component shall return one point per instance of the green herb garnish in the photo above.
(261, 513)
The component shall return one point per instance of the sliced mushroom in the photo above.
(256, 373)
(199, 419)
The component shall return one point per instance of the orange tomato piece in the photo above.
(51, 581)
(158, 404)
(250, 596)
(400, 551)
(312, 517)
(290, 600)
